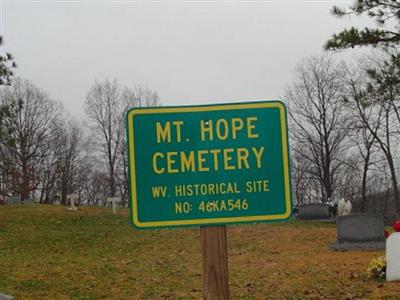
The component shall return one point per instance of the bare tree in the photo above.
(349, 180)
(301, 180)
(377, 110)
(106, 105)
(105, 108)
(69, 153)
(48, 179)
(319, 120)
(364, 142)
(31, 140)
(141, 96)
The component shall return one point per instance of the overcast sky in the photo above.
(192, 52)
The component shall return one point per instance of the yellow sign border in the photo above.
(216, 107)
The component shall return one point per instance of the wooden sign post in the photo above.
(215, 262)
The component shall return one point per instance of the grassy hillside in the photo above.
(48, 252)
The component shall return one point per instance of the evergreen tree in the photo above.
(6, 66)
(386, 13)
(382, 88)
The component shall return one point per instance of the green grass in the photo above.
(48, 252)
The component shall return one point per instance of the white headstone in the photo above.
(114, 201)
(72, 198)
(344, 207)
(347, 208)
(6, 297)
(393, 257)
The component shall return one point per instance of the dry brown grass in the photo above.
(47, 252)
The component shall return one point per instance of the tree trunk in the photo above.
(394, 183)
(25, 182)
(364, 184)
(112, 172)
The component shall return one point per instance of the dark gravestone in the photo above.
(360, 231)
(314, 211)
(14, 200)
(28, 201)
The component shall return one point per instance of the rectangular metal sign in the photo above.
(208, 165)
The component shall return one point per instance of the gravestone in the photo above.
(27, 202)
(114, 201)
(360, 231)
(14, 200)
(344, 207)
(314, 211)
(72, 198)
(393, 257)
(6, 297)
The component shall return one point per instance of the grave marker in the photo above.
(360, 231)
(114, 201)
(28, 201)
(393, 257)
(6, 297)
(314, 211)
(13, 200)
(72, 198)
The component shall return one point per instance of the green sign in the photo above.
(208, 165)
